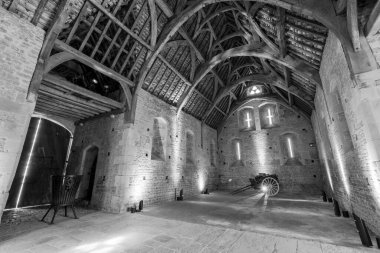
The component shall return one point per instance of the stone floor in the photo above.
(209, 223)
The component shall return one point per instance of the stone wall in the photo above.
(347, 116)
(126, 172)
(20, 44)
(263, 151)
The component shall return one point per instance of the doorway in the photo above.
(88, 172)
(44, 154)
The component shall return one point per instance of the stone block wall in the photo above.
(262, 152)
(126, 172)
(20, 44)
(348, 124)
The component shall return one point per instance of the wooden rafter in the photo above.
(52, 34)
(373, 24)
(244, 51)
(352, 23)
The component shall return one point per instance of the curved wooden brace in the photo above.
(260, 78)
(177, 43)
(274, 99)
(56, 60)
(153, 19)
(216, 13)
(271, 78)
(62, 57)
(244, 51)
(227, 37)
(248, 64)
(322, 11)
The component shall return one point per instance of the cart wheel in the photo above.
(270, 185)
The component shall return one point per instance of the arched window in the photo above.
(189, 147)
(268, 116)
(246, 119)
(159, 139)
(237, 149)
(212, 153)
(289, 148)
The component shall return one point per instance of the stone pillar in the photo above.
(20, 44)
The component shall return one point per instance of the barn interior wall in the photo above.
(16, 69)
(126, 170)
(347, 128)
(261, 152)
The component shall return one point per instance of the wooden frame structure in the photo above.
(200, 56)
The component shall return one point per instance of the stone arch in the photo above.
(66, 125)
(159, 139)
(88, 170)
(236, 151)
(289, 147)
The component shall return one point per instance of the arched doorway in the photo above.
(44, 154)
(90, 160)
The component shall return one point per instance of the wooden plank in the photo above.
(60, 103)
(58, 97)
(38, 12)
(92, 63)
(373, 23)
(281, 31)
(352, 24)
(58, 107)
(68, 97)
(120, 24)
(60, 82)
(57, 111)
(153, 19)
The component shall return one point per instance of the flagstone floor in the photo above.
(217, 222)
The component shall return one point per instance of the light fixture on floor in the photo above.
(205, 191)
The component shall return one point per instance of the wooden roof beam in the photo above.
(63, 83)
(243, 51)
(373, 23)
(352, 23)
(168, 12)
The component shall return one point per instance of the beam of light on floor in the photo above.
(27, 163)
(264, 207)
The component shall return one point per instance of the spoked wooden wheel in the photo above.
(270, 186)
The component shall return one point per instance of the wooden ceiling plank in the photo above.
(47, 99)
(58, 107)
(59, 94)
(63, 83)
